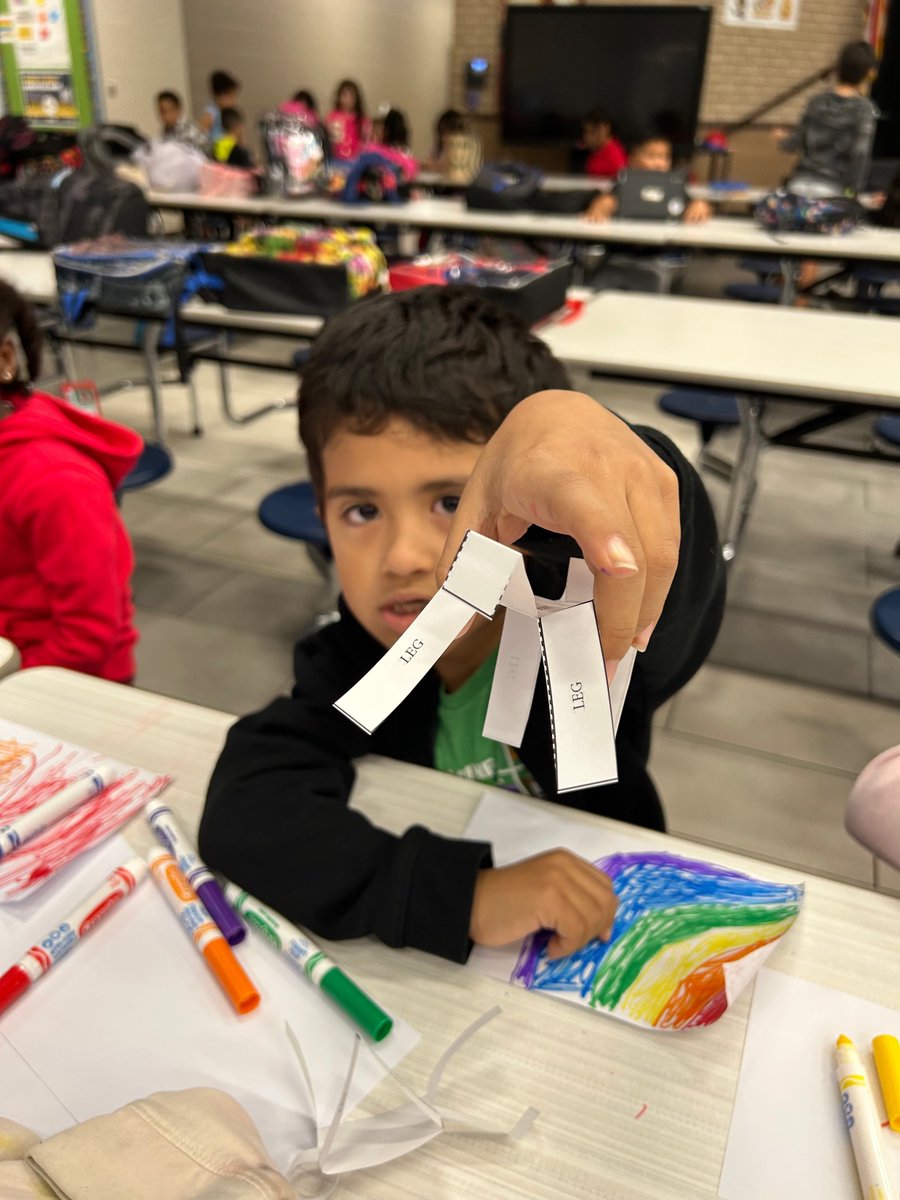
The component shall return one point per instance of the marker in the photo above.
(862, 1123)
(197, 873)
(887, 1060)
(306, 956)
(26, 826)
(68, 933)
(203, 932)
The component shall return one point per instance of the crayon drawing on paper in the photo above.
(681, 929)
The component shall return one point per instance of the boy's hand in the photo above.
(601, 209)
(561, 461)
(697, 212)
(557, 890)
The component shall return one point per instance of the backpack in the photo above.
(15, 136)
(788, 212)
(379, 173)
(504, 187)
(170, 165)
(71, 206)
(296, 149)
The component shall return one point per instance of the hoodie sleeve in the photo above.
(70, 521)
(860, 155)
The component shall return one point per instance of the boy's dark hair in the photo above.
(595, 117)
(172, 97)
(221, 83)
(231, 119)
(647, 135)
(359, 106)
(450, 121)
(307, 98)
(442, 358)
(395, 131)
(17, 316)
(856, 60)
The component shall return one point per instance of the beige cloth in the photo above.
(197, 1144)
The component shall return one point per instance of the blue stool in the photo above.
(291, 512)
(763, 267)
(711, 410)
(888, 429)
(885, 618)
(154, 464)
(300, 358)
(754, 293)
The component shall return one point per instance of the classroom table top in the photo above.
(9, 657)
(721, 234)
(32, 272)
(588, 1074)
(199, 312)
(759, 348)
(556, 182)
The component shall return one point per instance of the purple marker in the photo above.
(196, 871)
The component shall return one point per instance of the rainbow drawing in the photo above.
(680, 925)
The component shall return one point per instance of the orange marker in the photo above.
(203, 932)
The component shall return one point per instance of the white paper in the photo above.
(134, 1009)
(518, 830)
(483, 575)
(787, 1135)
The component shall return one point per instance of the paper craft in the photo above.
(687, 937)
(787, 1135)
(135, 1010)
(562, 633)
(33, 767)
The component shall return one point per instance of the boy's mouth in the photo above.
(398, 615)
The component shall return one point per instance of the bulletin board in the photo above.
(45, 67)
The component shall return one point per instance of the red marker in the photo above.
(68, 933)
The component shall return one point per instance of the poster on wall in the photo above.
(42, 48)
(762, 14)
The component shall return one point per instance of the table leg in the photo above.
(150, 346)
(743, 480)
(789, 287)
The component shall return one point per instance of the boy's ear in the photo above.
(9, 360)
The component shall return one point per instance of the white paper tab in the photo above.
(518, 663)
(481, 572)
(583, 738)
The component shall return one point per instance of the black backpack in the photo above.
(504, 187)
(72, 206)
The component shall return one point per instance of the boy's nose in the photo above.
(411, 550)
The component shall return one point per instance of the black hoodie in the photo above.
(276, 819)
(834, 140)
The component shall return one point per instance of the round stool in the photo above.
(885, 618)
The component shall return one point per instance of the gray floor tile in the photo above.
(763, 586)
(789, 649)
(887, 878)
(164, 524)
(780, 811)
(232, 670)
(819, 727)
(167, 582)
(884, 494)
(248, 544)
(822, 554)
(779, 477)
(885, 673)
(266, 604)
(882, 563)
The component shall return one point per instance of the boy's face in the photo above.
(655, 155)
(169, 113)
(596, 136)
(388, 500)
(227, 99)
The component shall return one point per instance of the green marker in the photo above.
(313, 962)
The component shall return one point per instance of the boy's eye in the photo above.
(360, 514)
(446, 505)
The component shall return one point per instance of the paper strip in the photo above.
(518, 663)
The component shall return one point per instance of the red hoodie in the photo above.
(65, 557)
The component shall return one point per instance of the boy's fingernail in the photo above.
(612, 665)
(620, 553)
(642, 640)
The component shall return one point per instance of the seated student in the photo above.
(174, 125)
(652, 152)
(873, 810)
(347, 123)
(415, 407)
(224, 89)
(307, 99)
(230, 148)
(65, 557)
(834, 137)
(606, 154)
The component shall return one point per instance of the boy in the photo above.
(230, 147)
(653, 152)
(413, 408)
(835, 134)
(224, 89)
(174, 125)
(606, 154)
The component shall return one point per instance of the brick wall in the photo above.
(744, 67)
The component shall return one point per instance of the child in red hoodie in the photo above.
(65, 557)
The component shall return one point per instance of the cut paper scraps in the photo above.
(33, 768)
(680, 926)
(687, 937)
(563, 634)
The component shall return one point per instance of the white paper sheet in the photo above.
(787, 1135)
(134, 1009)
(685, 965)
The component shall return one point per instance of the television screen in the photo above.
(643, 64)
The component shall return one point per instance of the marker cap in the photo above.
(222, 913)
(12, 984)
(356, 1004)
(887, 1060)
(235, 982)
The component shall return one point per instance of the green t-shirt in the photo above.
(461, 748)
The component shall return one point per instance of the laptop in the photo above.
(651, 195)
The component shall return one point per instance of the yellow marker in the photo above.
(862, 1123)
(887, 1059)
